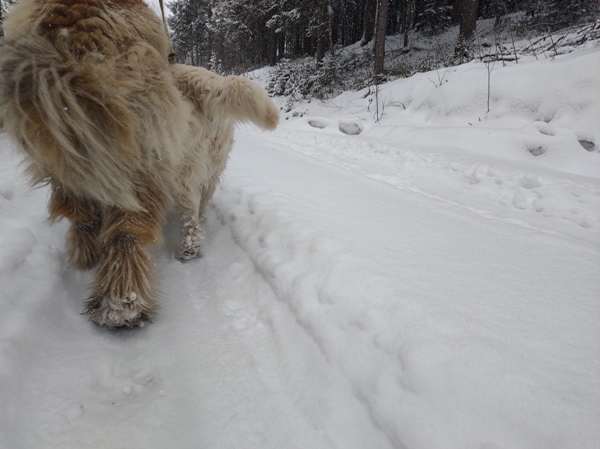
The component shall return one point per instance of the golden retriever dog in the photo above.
(88, 96)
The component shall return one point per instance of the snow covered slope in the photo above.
(431, 282)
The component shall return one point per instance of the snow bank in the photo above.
(542, 113)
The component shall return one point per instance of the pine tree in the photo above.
(191, 40)
(435, 16)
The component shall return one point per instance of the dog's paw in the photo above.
(131, 311)
(124, 293)
(191, 238)
(189, 248)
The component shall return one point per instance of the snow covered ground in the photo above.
(430, 280)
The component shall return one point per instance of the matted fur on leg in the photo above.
(124, 291)
(82, 244)
(125, 286)
(86, 219)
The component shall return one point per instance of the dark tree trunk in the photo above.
(280, 46)
(368, 21)
(406, 21)
(321, 33)
(467, 10)
(272, 48)
(382, 13)
(329, 10)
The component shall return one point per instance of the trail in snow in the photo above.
(428, 283)
(224, 364)
(329, 310)
(423, 307)
(532, 196)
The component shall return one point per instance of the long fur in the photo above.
(87, 93)
(88, 96)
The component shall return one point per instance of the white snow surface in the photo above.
(430, 280)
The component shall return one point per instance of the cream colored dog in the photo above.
(88, 96)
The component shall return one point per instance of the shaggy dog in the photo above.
(87, 94)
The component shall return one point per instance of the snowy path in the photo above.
(336, 306)
(212, 371)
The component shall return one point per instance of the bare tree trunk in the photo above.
(368, 21)
(272, 48)
(320, 54)
(406, 21)
(466, 35)
(330, 21)
(1, 35)
(382, 13)
(280, 46)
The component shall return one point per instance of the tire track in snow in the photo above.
(321, 254)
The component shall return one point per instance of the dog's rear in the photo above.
(87, 95)
(82, 91)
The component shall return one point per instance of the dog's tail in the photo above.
(230, 97)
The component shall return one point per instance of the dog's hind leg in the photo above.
(191, 217)
(207, 193)
(125, 291)
(85, 218)
(188, 199)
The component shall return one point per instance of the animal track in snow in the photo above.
(124, 378)
(534, 197)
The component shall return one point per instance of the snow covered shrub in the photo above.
(556, 14)
(285, 78)
(435, 18)
(301, 79)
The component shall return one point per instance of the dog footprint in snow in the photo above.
(125, 378)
